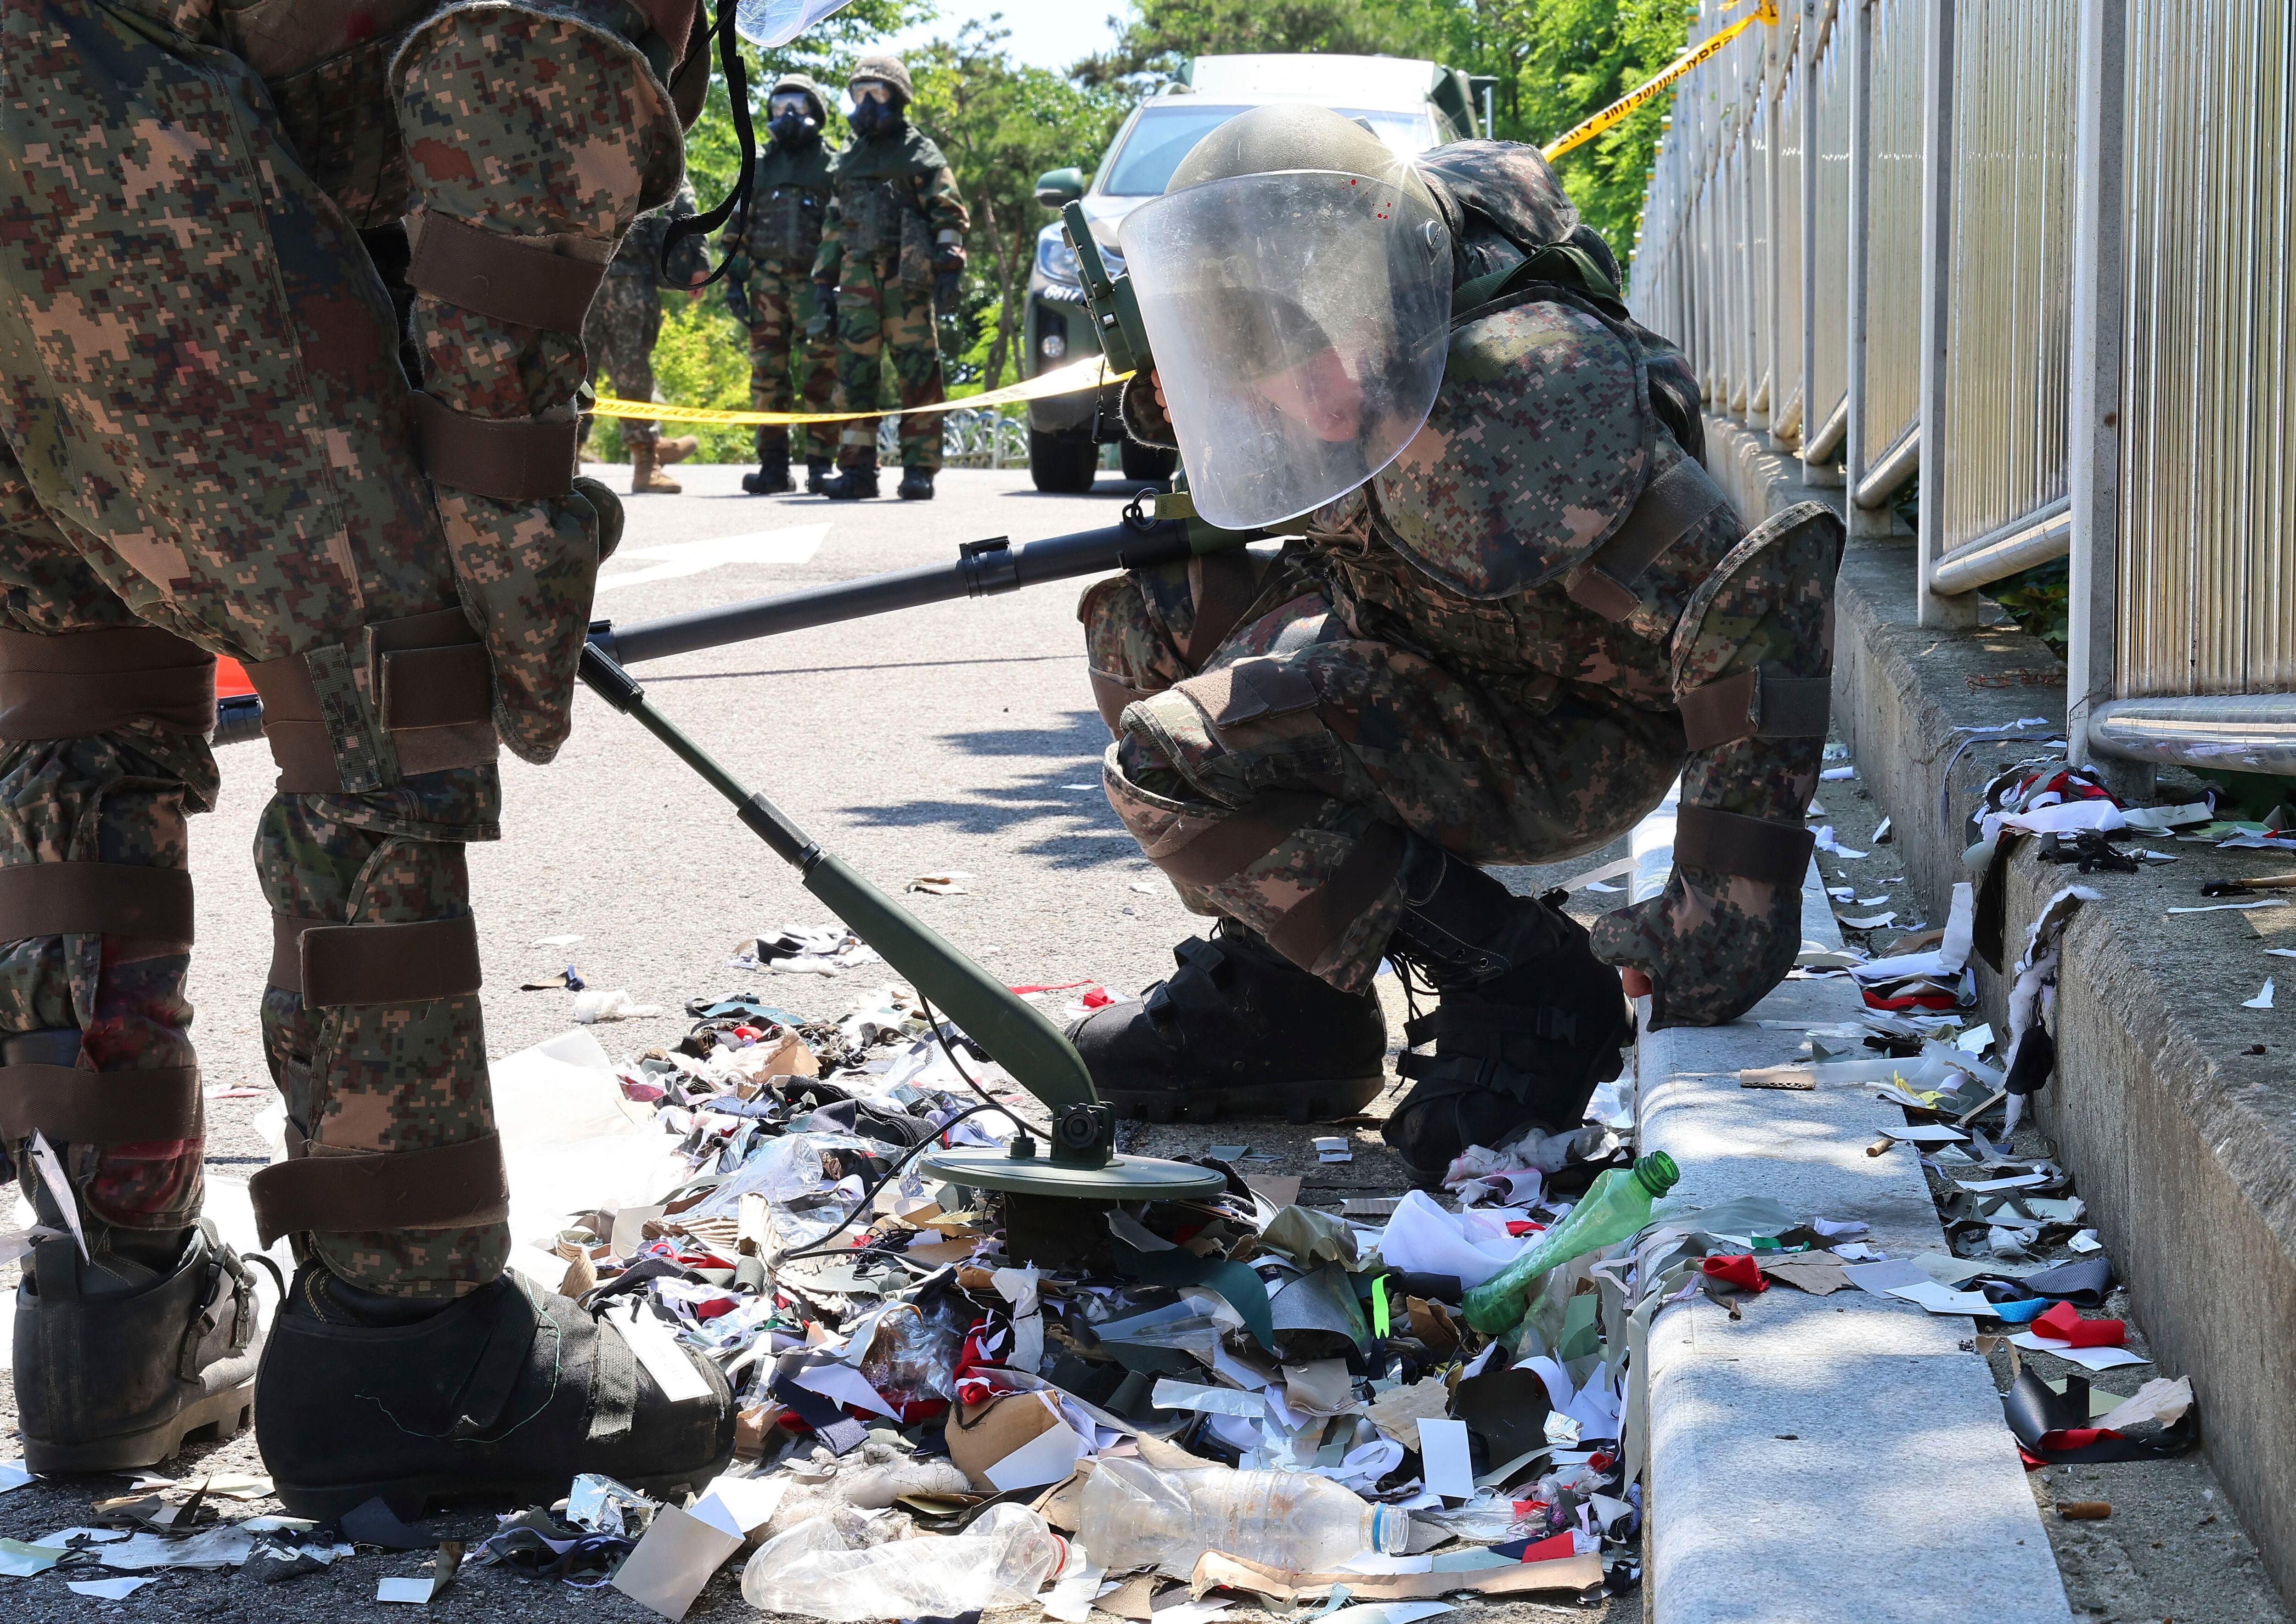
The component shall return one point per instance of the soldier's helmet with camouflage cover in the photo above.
(885, 69)
(1295, 282)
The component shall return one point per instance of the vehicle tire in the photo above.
(1062, 464)
(1151, 463)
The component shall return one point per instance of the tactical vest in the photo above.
(789, 204)
(879, 201)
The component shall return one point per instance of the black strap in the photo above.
(737, 92)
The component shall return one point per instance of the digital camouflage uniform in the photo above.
(895, 219)
(208, 446)
(625, 319)
(1510, 641)
(770, 246)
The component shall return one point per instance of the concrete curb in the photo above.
(1824, 1458)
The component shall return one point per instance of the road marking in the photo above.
(668, 560)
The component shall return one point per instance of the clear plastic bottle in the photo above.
(1003, 1559)
(1615, 1206)
(1136, 1516)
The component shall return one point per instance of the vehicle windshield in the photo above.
(1169, 131)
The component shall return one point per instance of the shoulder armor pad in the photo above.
(1536, 449)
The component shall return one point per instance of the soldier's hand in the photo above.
(945, 287)
(1636, 984)
(1157, 384)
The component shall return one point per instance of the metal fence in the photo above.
(969, 439)
(2034, 253)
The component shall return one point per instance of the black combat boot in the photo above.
(1237, 1030)
(118, 1361)
(854, 482)
(772, 477)
(917, 484)
(507, 1393)
(817, 470)
(1527, 1019)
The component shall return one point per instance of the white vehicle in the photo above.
(1411, 105)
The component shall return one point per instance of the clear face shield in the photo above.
(768, 23)
(1300, 322)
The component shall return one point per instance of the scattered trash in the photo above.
(13, 1476)
(950, 883)
(2263, 1000)
(1835, 775)
(806, 949)
(2084, 1511)
(594, 1006)
(105, 1589)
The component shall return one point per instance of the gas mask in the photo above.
(875, 110)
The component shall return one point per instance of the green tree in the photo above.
(1003, 124)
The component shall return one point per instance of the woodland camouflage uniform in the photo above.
(1510, 641)
(210, 445)
(895, 222)
(770, 245)
(625, 320)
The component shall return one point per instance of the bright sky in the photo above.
(1045, 33)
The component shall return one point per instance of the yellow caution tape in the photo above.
(1705, 51)
(1073, 379)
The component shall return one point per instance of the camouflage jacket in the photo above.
(640, 254)
(781, 223)
(894, 196)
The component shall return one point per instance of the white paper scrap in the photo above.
(1048, 1457)
(1076, 1587)
(59, 1190)
(2085, 1241)
(2090, 1358)
(735, 1505)
(1381, 1613)
(2262, 1000)
(13, 1475)
(1836, 775)
(1944, 1300)
(1884, 1277)
(674, 1560)
(1443, 1451)
(1870, 922)
(2015, 1181)
(2233, 907)
(1334, 1148)
(657, 1348)
(106, 1589)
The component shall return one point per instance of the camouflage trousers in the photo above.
(619, 336)
(787, 329)
(208, 446)
(882, 318)
(1265, 769)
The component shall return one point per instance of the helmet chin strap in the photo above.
(737, 91)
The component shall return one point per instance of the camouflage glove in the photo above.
(737, 290)
(1712, 944)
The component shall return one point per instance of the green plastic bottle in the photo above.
(1615, 1206)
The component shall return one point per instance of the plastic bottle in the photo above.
(1615, 1206)
(1001, 1560)
(1136, 1516)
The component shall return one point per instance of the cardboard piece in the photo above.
(675, 1556)
(981, 1436)
(1398, 1411)
(1132, 1599)
(1815, 1272)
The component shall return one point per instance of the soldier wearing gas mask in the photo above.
(893, 252)
(1515, 610)
(770, 244)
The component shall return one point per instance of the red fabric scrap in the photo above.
(2064, 1324)
(1050, 987)
(1519, 1227)
(1738, 1269)
(1551, 1547)
(2075, 1437)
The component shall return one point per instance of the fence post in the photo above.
(1808, 92)
(1936, 294)
(1773, 396)
(2093, 429)
(1859, 42)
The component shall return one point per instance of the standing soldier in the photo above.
(624, 321)
(893, 251)
(291, 309)
(770, 244)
